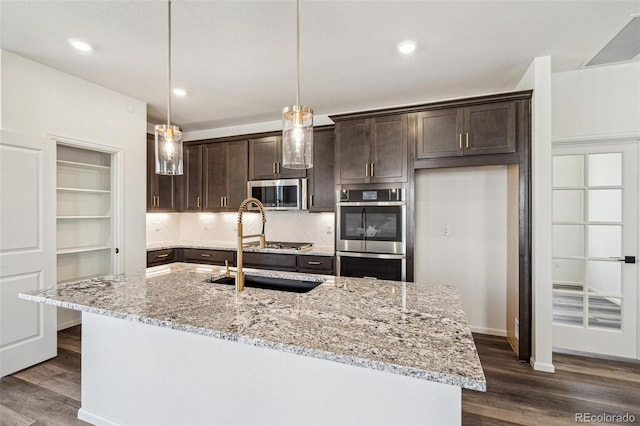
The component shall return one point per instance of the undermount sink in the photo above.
(271, 283)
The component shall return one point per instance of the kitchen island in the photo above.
(173, 348)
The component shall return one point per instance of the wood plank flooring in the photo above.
(49, 393)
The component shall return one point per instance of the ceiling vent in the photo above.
(624, 46)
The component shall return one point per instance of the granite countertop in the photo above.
(226, 245)
(413, 329)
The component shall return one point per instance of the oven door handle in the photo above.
(371, 255)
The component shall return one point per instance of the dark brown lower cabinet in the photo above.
(210, 257)
(274, 261)
(161, 257)
(316, 264)
(324, 265)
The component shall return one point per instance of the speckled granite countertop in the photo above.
(412, 329)
(225, 245)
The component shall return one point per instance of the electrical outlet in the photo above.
(329, 229)
(446, 231)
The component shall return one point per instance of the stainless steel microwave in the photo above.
(280, 194)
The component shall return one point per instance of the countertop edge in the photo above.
(449, 379)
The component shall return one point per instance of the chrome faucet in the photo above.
(241, 238)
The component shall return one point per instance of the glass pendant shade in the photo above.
(297, 137)
(168, 149)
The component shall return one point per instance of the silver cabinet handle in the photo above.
(313, 263)
(372, 170)
(198, 202)
(205, 255)
(278, 168)
(467, 137)
(366, 170)
(311, 200)
(163, 255)
(221, 201)
(460, 140)
(274, 168)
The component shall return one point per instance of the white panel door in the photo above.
(27, 249)
(595, 243)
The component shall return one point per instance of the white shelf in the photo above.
(83, 217)
(84, 165)
(82, 249)
(93, 191)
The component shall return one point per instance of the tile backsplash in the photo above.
(316, 228)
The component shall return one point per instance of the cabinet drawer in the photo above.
(279, 262)
(213, 257)
(158, 257)
(316, 264)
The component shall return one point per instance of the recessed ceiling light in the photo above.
(82, 46)
(179, 92)
(406, 47)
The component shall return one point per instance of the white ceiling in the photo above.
(236, 58)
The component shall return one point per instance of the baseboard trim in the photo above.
(69, 323)
(542, 366)
(94, 419)
(490, 331)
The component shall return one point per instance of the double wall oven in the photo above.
(371, 233)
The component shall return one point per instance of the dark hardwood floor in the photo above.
(49, 393)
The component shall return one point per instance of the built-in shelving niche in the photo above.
(84, 218)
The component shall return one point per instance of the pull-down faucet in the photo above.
(241, 238)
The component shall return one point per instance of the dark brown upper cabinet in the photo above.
(215, 176)
(161, 189)
(265, 160)
(372, 150)
(472, 130)
(321, 176)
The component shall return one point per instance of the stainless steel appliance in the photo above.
(371, 233)
(280, 194)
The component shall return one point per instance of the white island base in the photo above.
(139, 374)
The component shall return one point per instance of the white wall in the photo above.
(186, 228)
(596, 103)
(39, 101)
(538, 78)
(472, 202)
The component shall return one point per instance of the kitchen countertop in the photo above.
(413, 329)
(226, 245)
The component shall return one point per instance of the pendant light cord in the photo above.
(169, 67)
(298, 51)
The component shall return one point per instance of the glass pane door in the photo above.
(594, 226)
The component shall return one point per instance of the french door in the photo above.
(595, 244)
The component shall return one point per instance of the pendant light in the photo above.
(168, 137)
(297, 122)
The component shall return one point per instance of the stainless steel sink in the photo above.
(271, 283)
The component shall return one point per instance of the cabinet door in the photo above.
(215, 176)
(237, 173)
(389, 143)
(160, 188)
(352, 152)
(490, 128)
(263, 156)
(193, 178)
(439, 133)
(321, 176)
